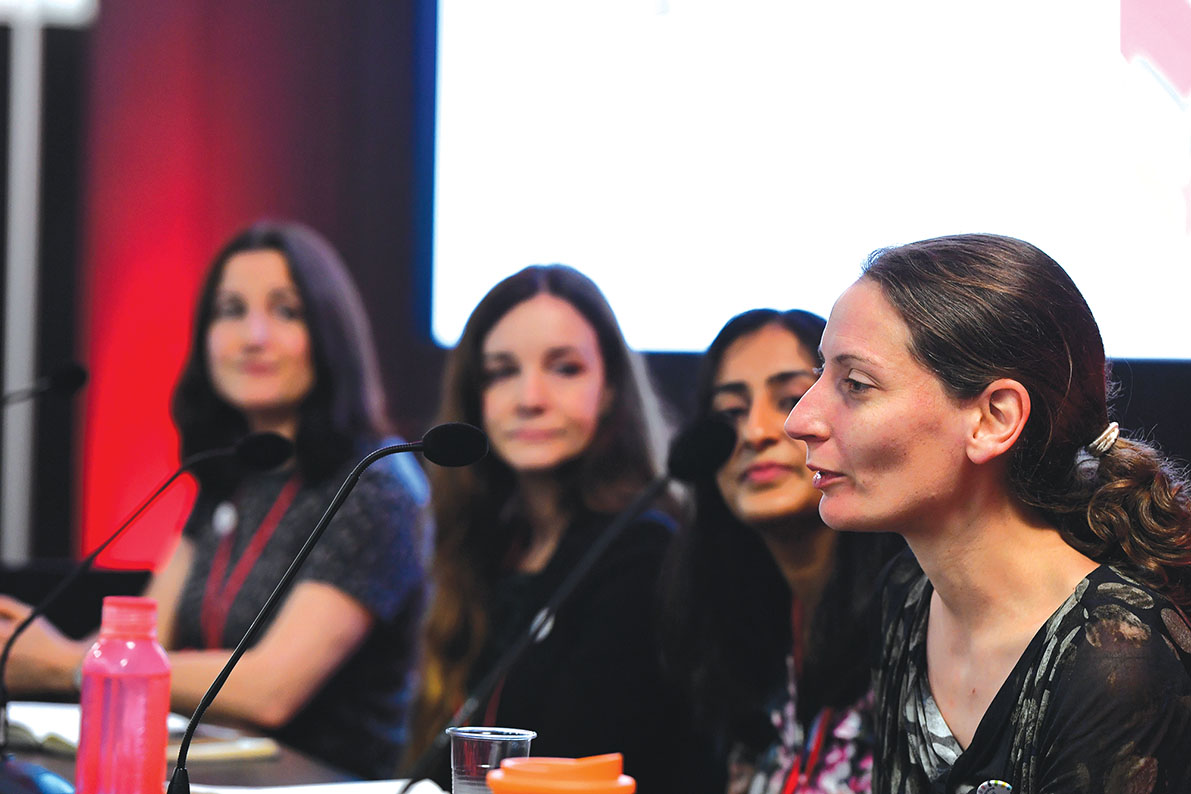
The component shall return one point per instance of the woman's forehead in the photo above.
(865, 326)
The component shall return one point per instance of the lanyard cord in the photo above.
(814, 747)
(222, 588)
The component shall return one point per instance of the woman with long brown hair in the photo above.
(1036, 640)
(543, 368)
(281, 344)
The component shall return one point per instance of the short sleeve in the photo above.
(1121, 720)
(377, 547)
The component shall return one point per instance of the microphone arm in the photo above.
(79, 570)
(180, 781)
(698, 452)
(537, 629)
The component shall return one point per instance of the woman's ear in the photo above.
(1003, 408)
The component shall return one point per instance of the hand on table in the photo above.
(43, 658)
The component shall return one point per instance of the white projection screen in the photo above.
(701, 157)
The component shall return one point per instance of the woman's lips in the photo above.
(534, 436)
(762, 473)
(824, 477)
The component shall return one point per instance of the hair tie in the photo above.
(1105, 440)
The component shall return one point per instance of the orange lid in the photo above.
(596, 774)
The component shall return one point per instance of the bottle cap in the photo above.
(129, 615)
(596, 774)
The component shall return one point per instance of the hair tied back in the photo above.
(1105, 440)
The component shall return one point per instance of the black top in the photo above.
(593, 684)
(377, 551)
(1099, 702)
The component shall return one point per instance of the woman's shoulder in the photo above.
(1119, 614)
(1118, 639)
(399, 475)
(1111, 685)
(647, 535)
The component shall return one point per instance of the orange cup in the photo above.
(596, 774)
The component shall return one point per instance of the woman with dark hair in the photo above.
(1036, 640)
(574, 432)
(763, 603)
(281, 344)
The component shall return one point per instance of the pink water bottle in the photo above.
(125, 701)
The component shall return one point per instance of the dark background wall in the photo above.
(170, 125)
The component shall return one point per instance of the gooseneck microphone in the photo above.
(260, 451)
(698, 452)
(64, 379)
(450, 444)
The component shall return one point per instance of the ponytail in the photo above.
(1138, 517)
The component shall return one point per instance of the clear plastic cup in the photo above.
(477, 751)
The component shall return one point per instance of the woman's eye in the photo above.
(731, 415)
(856, 383)
(290, 312)
(494, 374)
(228, 307)
(788, 402)
(569, 369)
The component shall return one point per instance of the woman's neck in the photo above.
(541, 498)
(999, 564)
(804, 552)
(283, 423)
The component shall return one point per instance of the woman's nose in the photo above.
(531, 394)
(762, 425)
(805, 422)
(256, 328)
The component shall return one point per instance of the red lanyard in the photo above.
(221, 588)
(814, 746)
(814, 743)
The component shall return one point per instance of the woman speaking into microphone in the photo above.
(281, 344)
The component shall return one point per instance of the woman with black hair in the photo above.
(1036, 641)
(281, 344)
(764, 604)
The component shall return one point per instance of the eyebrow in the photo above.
(848, 358)
(776, 379)
(551, 353)
(287, 291)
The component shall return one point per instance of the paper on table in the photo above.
(358, 787)
(55, 726)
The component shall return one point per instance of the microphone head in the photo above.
(454, 444)
(701, 449)
(66, 378)
(264, 451)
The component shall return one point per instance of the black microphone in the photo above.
(260, 451)
(698, 452)
(64, 379)
(451, 444)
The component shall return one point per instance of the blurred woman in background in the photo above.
(281, 344)
(764, 605)
(574, 430)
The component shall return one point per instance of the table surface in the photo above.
(288, 768)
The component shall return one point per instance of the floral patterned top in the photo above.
(835, 756)
(1098, 703)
